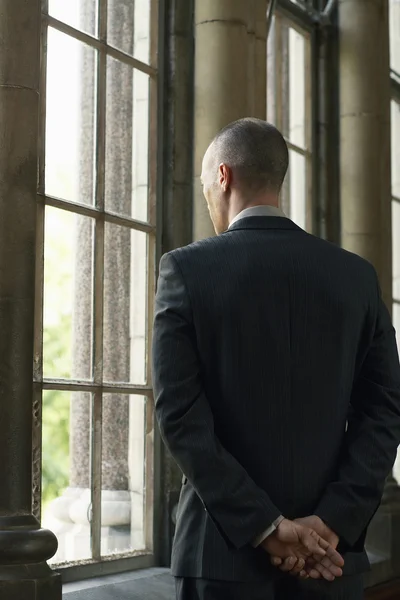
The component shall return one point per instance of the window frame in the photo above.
(98, 564)
(305, 20)
(307, 151)
(323, 201)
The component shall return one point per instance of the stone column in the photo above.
(257, 59)
(221, 84)
(260, 99)
(365, 134)
(251, 58)
(366, 175)
(24, 547)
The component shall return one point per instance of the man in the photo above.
(277, 389)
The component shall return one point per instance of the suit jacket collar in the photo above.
(264, 223)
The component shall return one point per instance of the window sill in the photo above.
(151, 584)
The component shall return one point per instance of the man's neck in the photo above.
(239, 207)
(264, 210)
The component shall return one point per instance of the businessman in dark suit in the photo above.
(277, 390)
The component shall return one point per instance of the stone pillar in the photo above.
(366, 177)
(260, 99)
(82, 322)
(257, 59)
(24, 547)
(221, 84)
(365, 134)
(251, 58)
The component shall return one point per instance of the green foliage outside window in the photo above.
(57, 345)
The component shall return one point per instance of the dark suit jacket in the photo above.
(267, 341)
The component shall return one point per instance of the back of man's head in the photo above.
(255, 151)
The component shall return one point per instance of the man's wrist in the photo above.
(267, 532)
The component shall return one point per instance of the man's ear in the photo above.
(224, 176)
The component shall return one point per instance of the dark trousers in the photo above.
(349, 587)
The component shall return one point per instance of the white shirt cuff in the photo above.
(263, 536)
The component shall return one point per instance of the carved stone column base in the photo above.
(29, 582)
(24, 549)
(122, 523)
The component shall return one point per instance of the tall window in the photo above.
(289, 108)
(93, 433)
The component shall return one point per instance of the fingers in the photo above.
(325, 569)
(313, 543)
(334, 556)
(298, 567)
(313, 573)
(325, 554)
(327, 563)
(288, 564)
(293, 565)
(328, 566)
(319, 571)
(303, 574)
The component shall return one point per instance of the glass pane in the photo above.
(395, 148)
(396, 468)
(396, 321)
(70, 119)
(129, 27)
(297, 178)
(65, 473)
(278, 64)
(125, 305)
(287, 83)
(67, 295)
(395, 35)
(81, 14)
(127, 141)
(123, 473)
(396, 250)
(297, 89)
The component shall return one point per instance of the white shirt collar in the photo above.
(258, 211)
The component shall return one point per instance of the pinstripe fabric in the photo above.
(266, 341)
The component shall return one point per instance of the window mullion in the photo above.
(98, 289)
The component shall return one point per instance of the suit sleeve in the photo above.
(238, 507)
(371, 440)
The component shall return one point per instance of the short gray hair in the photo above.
(256, 150)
